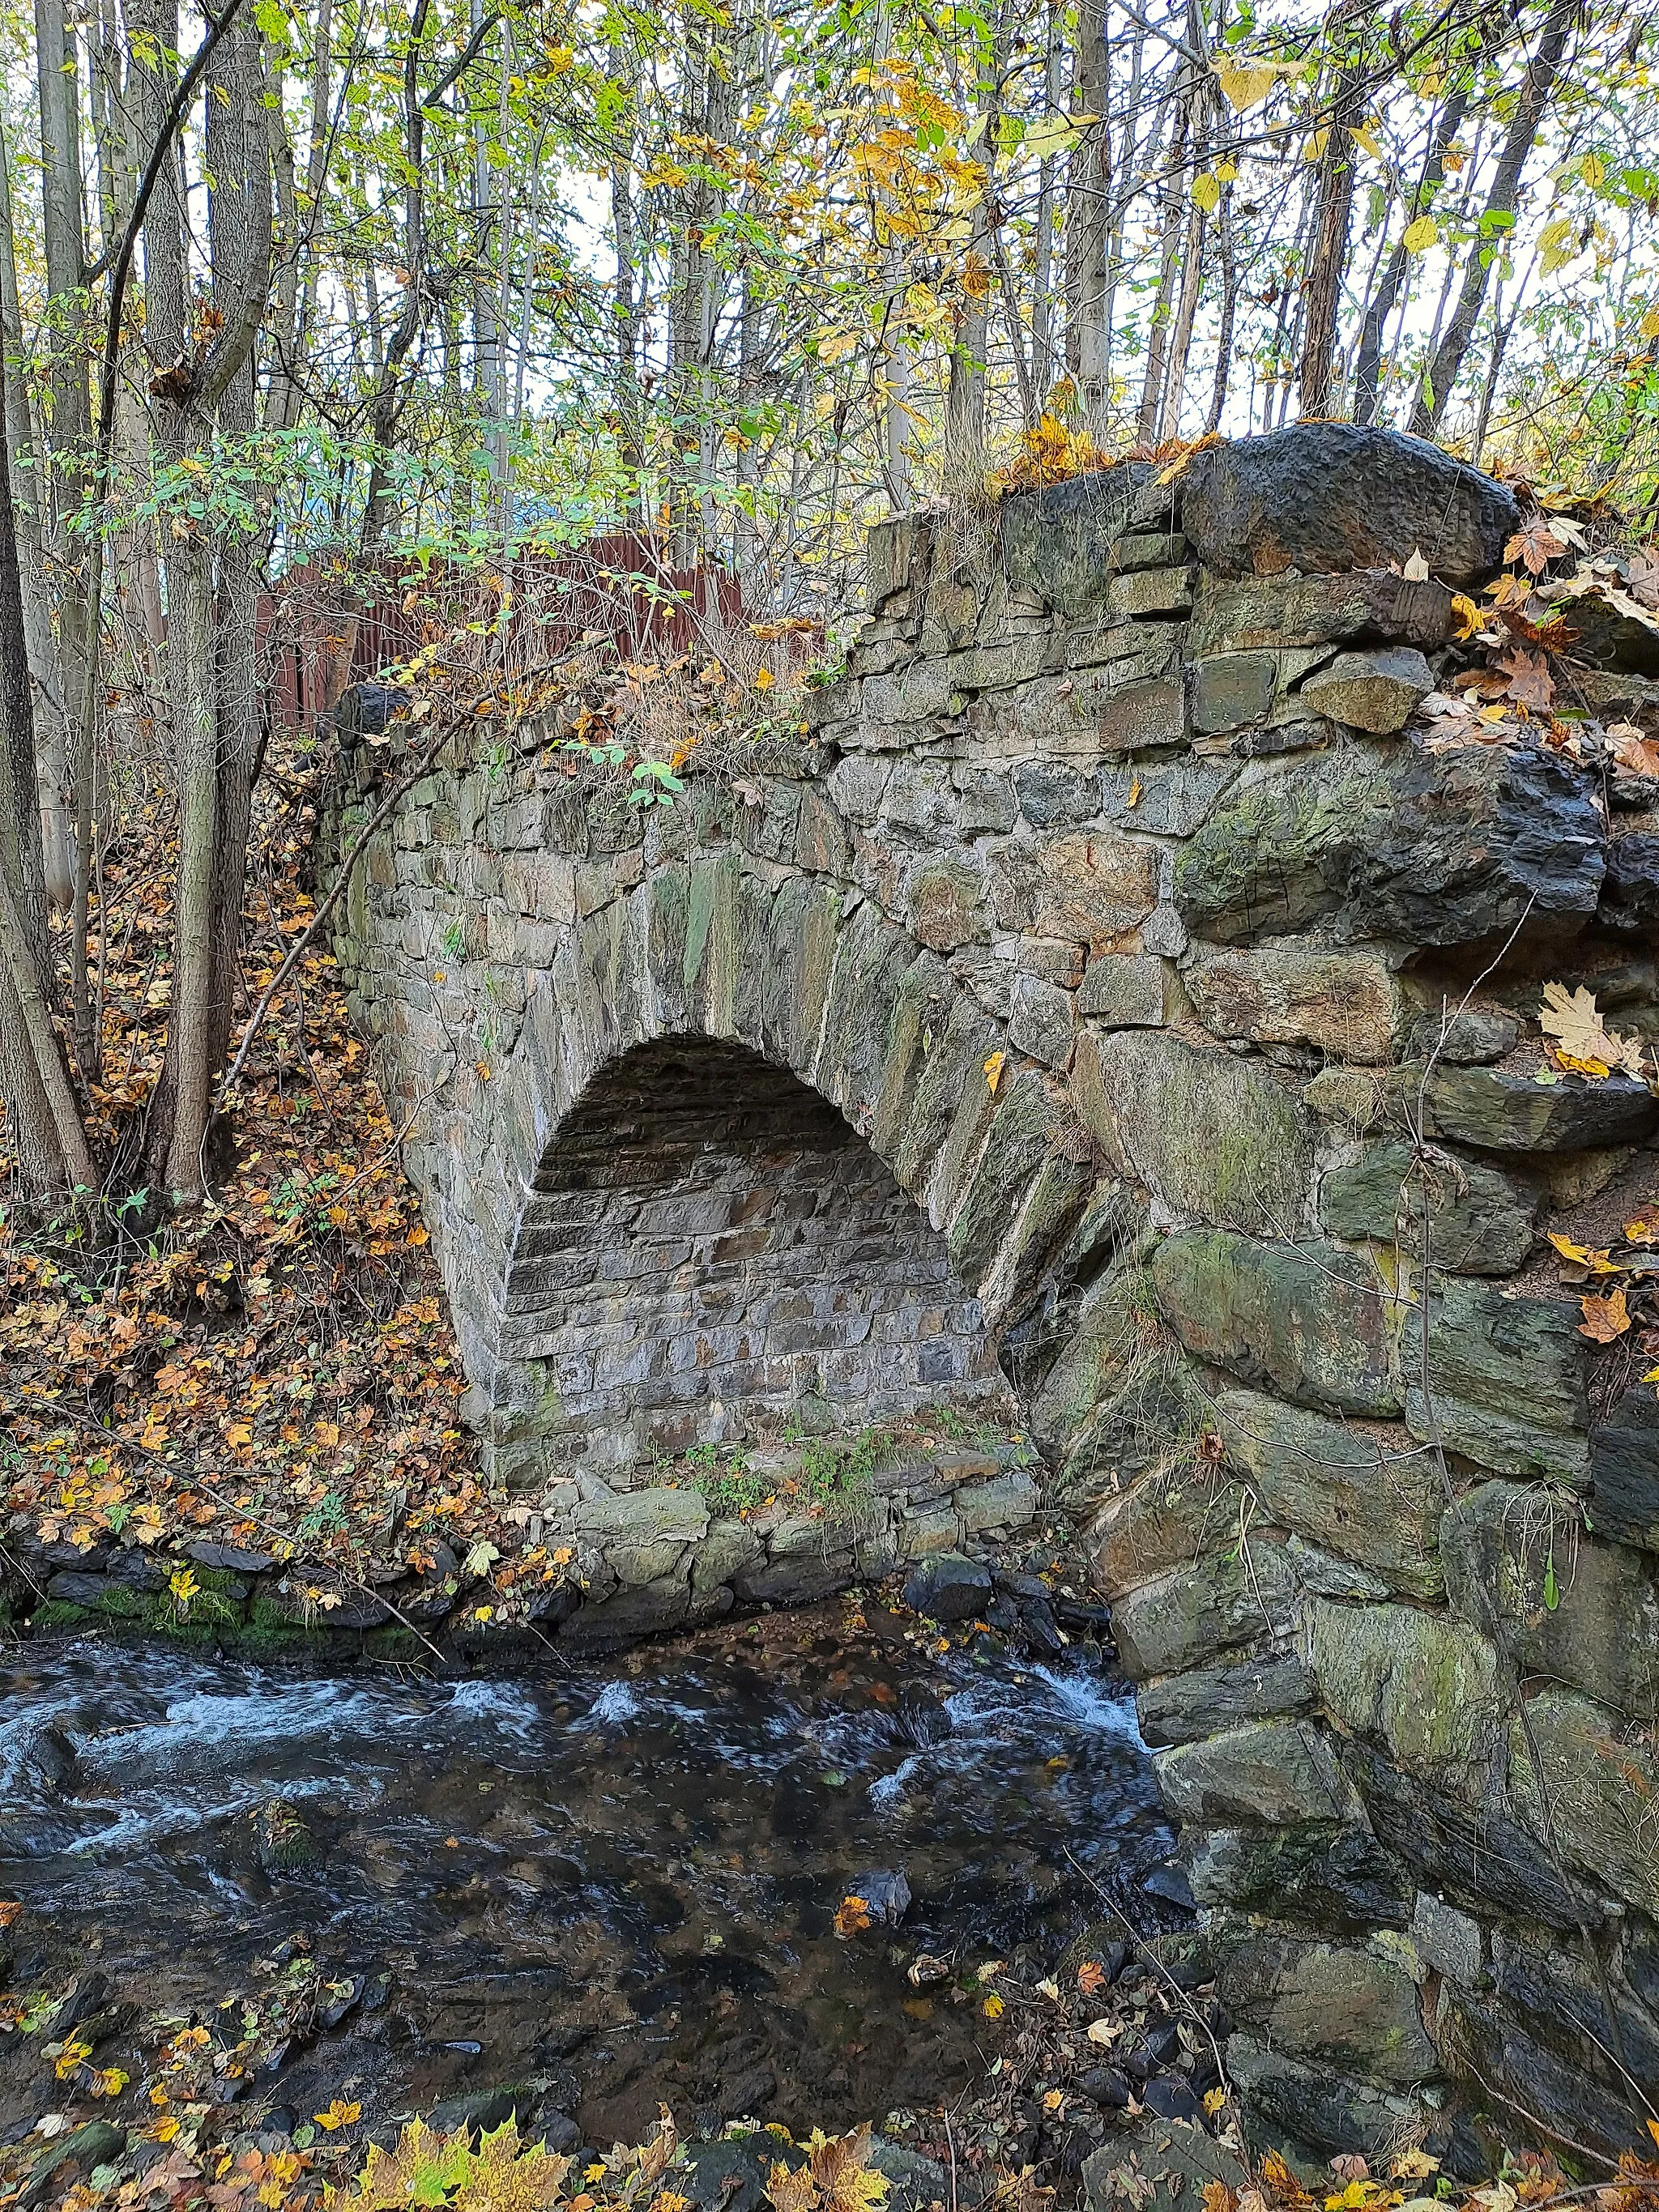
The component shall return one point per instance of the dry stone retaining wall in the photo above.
(1120, 802)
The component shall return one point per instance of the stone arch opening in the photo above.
(711, 1252)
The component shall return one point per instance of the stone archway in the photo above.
(710, 1253)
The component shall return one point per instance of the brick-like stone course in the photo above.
(1112, 984)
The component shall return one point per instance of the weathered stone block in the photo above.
(1043, 1021)
(1509, 1380)
(1429, 1687)
(1559, 1603)
(1377, 690)
(1211, 1134)
(1279, 1771)
(1164, 1521)
(1335, 1875)
(1480, 1221)
(1127, 990)
(1507, 1113)
(1333, 497)
(1140, 593)
(945, 899)
(1232, 689)
(1357, 1493)
(1058, 542)
(1312, 1319)
(1184, 1708)
(1219, 1605)
(1366, 606)
(1624, 1467)
(1088, 889)
(1602, 1789)
(1343, 2005)
(1293, 993)
(1432, 848)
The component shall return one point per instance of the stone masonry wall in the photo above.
(1126, 802)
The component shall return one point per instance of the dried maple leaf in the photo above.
(1583, 1042)
(1644, 590)
(1633, 749)
(1530, 684)
(1534, 545)
(1604, 1318)
(1091, 1977)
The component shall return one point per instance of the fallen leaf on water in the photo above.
(9, 1909)
(852, 1917)
(1604, 1318)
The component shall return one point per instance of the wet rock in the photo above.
(921, 1720)
(96, 2143)
(1335, 2003)
(1326, 2109)
(749, 2091)
(1335, 1875)
(949, 1586)
(84, 1998)
(1480, 1222)
(47, 1757)
(916, 2184)
(66, 1586)
(1163, 2167)
(1106, 2087)
(230, 1558)
(1334, 496)
(886, 1894)
(1171, 1882)
(1184, 1708)
(283, 1842)
(1630, 895)
(1279, 1773)
(723, 2177)
(1172, 2099)
(477, 2111)
(558, 2131)
(1507, 1113)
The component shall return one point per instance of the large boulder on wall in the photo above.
(1332, 496)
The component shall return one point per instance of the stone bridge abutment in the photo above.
(1114, 1026)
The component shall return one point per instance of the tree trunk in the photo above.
(1329, 263)
(1088, 192)
(1535, 89)
(1368, 360)
(1157, 332)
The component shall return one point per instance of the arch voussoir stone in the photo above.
(1043, 1042)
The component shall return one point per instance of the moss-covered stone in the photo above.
(1372, 1497)
(1480, 1220)
(1429, 1687)
(1211, 1134)
(1592, 1786)
(1322, 2001)
(1561, 1602)
(1318, 1323)
(1278, 1772)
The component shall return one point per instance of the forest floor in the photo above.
(275, 1371)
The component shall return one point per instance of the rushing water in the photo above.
(620, 1883)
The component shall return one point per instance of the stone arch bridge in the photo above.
(1104, 1049)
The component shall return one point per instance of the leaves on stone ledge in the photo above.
(1605, 1319)
(1583, 1042)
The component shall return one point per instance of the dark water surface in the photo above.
(619, 1884)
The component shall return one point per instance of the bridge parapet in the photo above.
(1114, 1026)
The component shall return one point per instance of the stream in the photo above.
(617, 1885)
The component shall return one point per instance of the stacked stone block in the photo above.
(1190, 994)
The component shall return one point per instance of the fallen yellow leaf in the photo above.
(1604, 1318)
